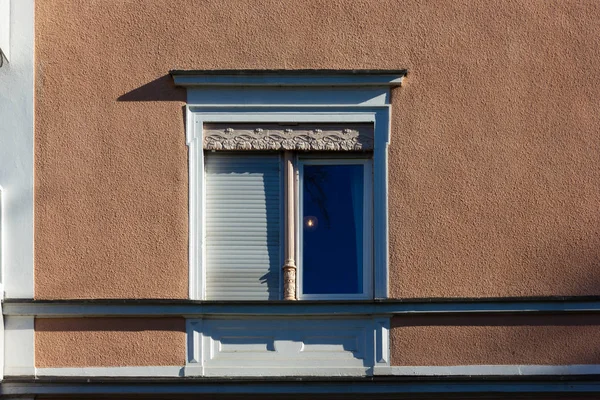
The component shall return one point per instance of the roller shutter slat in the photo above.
(243, 212)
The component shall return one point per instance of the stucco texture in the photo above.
(494, 162)
(109, 342)
(495, 340)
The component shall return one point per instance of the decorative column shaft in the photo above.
(289, 267)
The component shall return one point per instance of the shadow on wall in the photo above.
(160, 89)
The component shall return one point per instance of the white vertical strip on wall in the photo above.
(1, 290)
(19, 346)
(5, 28)
(16, 152)
(243, 223)
(2, 251)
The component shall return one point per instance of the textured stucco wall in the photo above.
(495, 340)
(108, 342)
(494, 168)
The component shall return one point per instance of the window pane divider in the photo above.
(289, 266)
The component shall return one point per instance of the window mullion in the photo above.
(289, 266)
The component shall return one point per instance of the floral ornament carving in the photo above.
(277, 137)
(289, 282)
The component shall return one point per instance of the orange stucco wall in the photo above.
(108, 342)
(495, 340)
(494, 163)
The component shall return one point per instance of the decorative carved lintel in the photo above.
(324, 137)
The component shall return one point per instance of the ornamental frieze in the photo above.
(325, 137)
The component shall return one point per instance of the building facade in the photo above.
(313, 198)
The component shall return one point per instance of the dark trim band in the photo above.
(385, 388)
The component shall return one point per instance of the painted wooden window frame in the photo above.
(345, 98)
(196, 119)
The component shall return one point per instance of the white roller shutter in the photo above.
(243, 226)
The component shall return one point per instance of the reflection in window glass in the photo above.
(332, 223)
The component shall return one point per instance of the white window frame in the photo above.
(197, 118)
(344, 98)
(367, 278)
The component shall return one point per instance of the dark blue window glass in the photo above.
(332, 223)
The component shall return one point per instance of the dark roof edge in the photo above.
(329, 388)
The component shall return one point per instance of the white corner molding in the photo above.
(1, 345)
(286, 347)
(1, 290)
(5, 29)
(16, 149)
(19, 346)
(2, 249)
(216, 101)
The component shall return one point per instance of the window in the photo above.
(276, 202)
(288, 169)
(246, 230)
(246, 176)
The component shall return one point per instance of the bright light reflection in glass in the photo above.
(311, 223)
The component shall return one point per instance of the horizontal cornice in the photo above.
(189, 308)
(304, 77)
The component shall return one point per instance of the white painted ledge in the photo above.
(191, 370)
(489, 370)
(162, 371)
(276, 372)
(194, 370)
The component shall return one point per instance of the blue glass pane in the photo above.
(332, 223)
